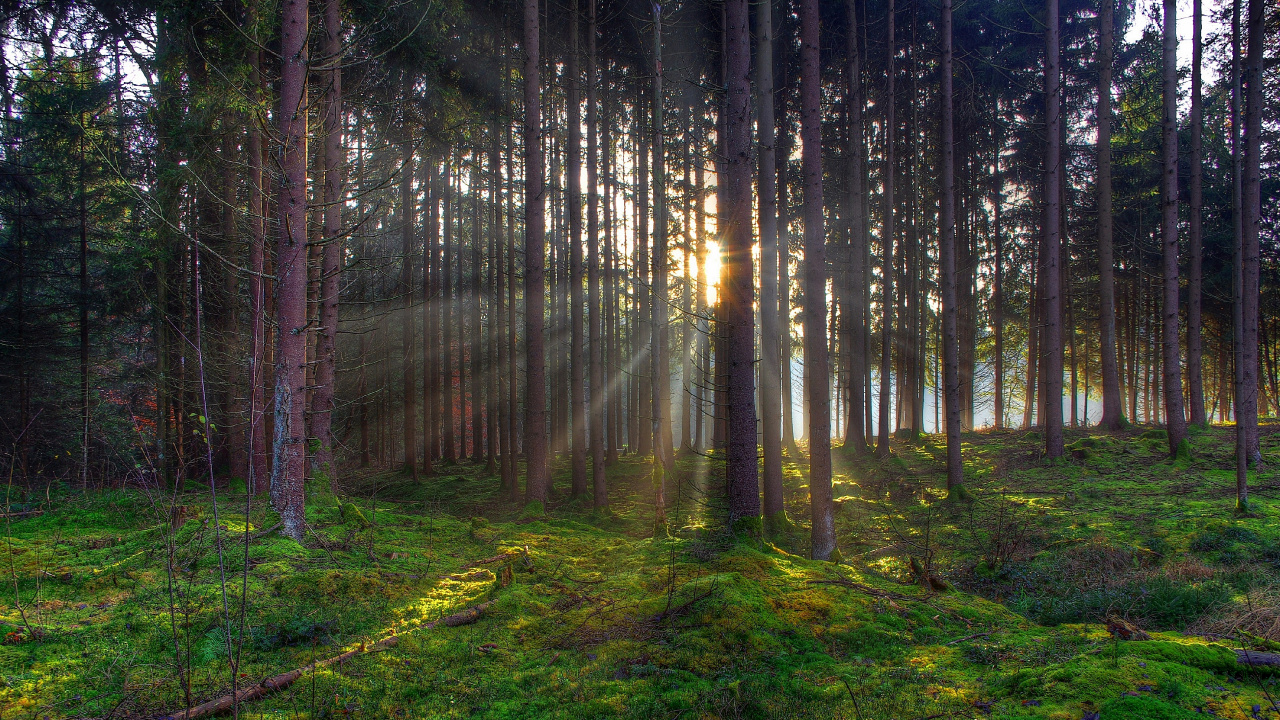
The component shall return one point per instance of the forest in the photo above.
(896, 359)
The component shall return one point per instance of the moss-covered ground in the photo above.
(121, 609)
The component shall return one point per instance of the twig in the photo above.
(968, 637)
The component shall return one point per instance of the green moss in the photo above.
(1143, 708)
(1183, 453)
(1155, 434)
(778, 524)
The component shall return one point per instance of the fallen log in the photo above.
(284, 680)
(1249, 657)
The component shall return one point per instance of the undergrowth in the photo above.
(118, 607)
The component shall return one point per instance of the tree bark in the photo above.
(573, 177)
(535, 422)
(743, 470)
(1251, 216)
(770, 335)
(859, 310)
(331, 259)
(1052, 280)
(815, 285)
(886, 242)
(407, 331)
(600, 496)
(289, 467)
(1195, 271)
(1175, 415)
(1112, 413)
(947, 258)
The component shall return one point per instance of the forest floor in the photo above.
(121, 614)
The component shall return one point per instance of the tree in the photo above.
(1112, 416)
(600, 496)
(1052, 279)
(577, 374)
(770, 335)
(815, 288)
(947, 267)
(535, 409)
(1176, 420)
(1195, 232)
(886, 243)
(290, 453)
(742, 466)
(326, 353)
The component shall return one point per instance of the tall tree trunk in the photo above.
(997, 291)
(1195, 271)
(331, 260)
(600, 497)
(1052, 280)
(430, 333)
(407, 332)
(859, 311)
(1112, 412)
(660, 359)
(815, 285)
(1237, 266)
(1176, 419)
(1251, 216)
(743, 469)
(886, 242)
(770, 335)
(476, 353)
(535, 421)
(947, 257)
(447, 307)
(290, 465)
(257, 478)
(573, 178)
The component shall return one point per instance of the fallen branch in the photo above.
(284, 680)
(974, 636)
(683, 607)
(24, 513)
(265, 533)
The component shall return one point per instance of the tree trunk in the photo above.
(289, 467)
(947, 258)
(886, 242)
(1176, 419)
(1052, 320)
(1195, 271)
(1251, 216)
(577, 354)
(742, 472)
(535, 421)
(447, 307)
(331, 260)
(815, 284)
(257, 478)
(660, 359)
(859, 310)
(770, 335)
(1112, 413)
(600, 497)
(407, 331)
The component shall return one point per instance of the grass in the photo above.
(593, 616)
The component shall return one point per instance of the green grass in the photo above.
(595, 617)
